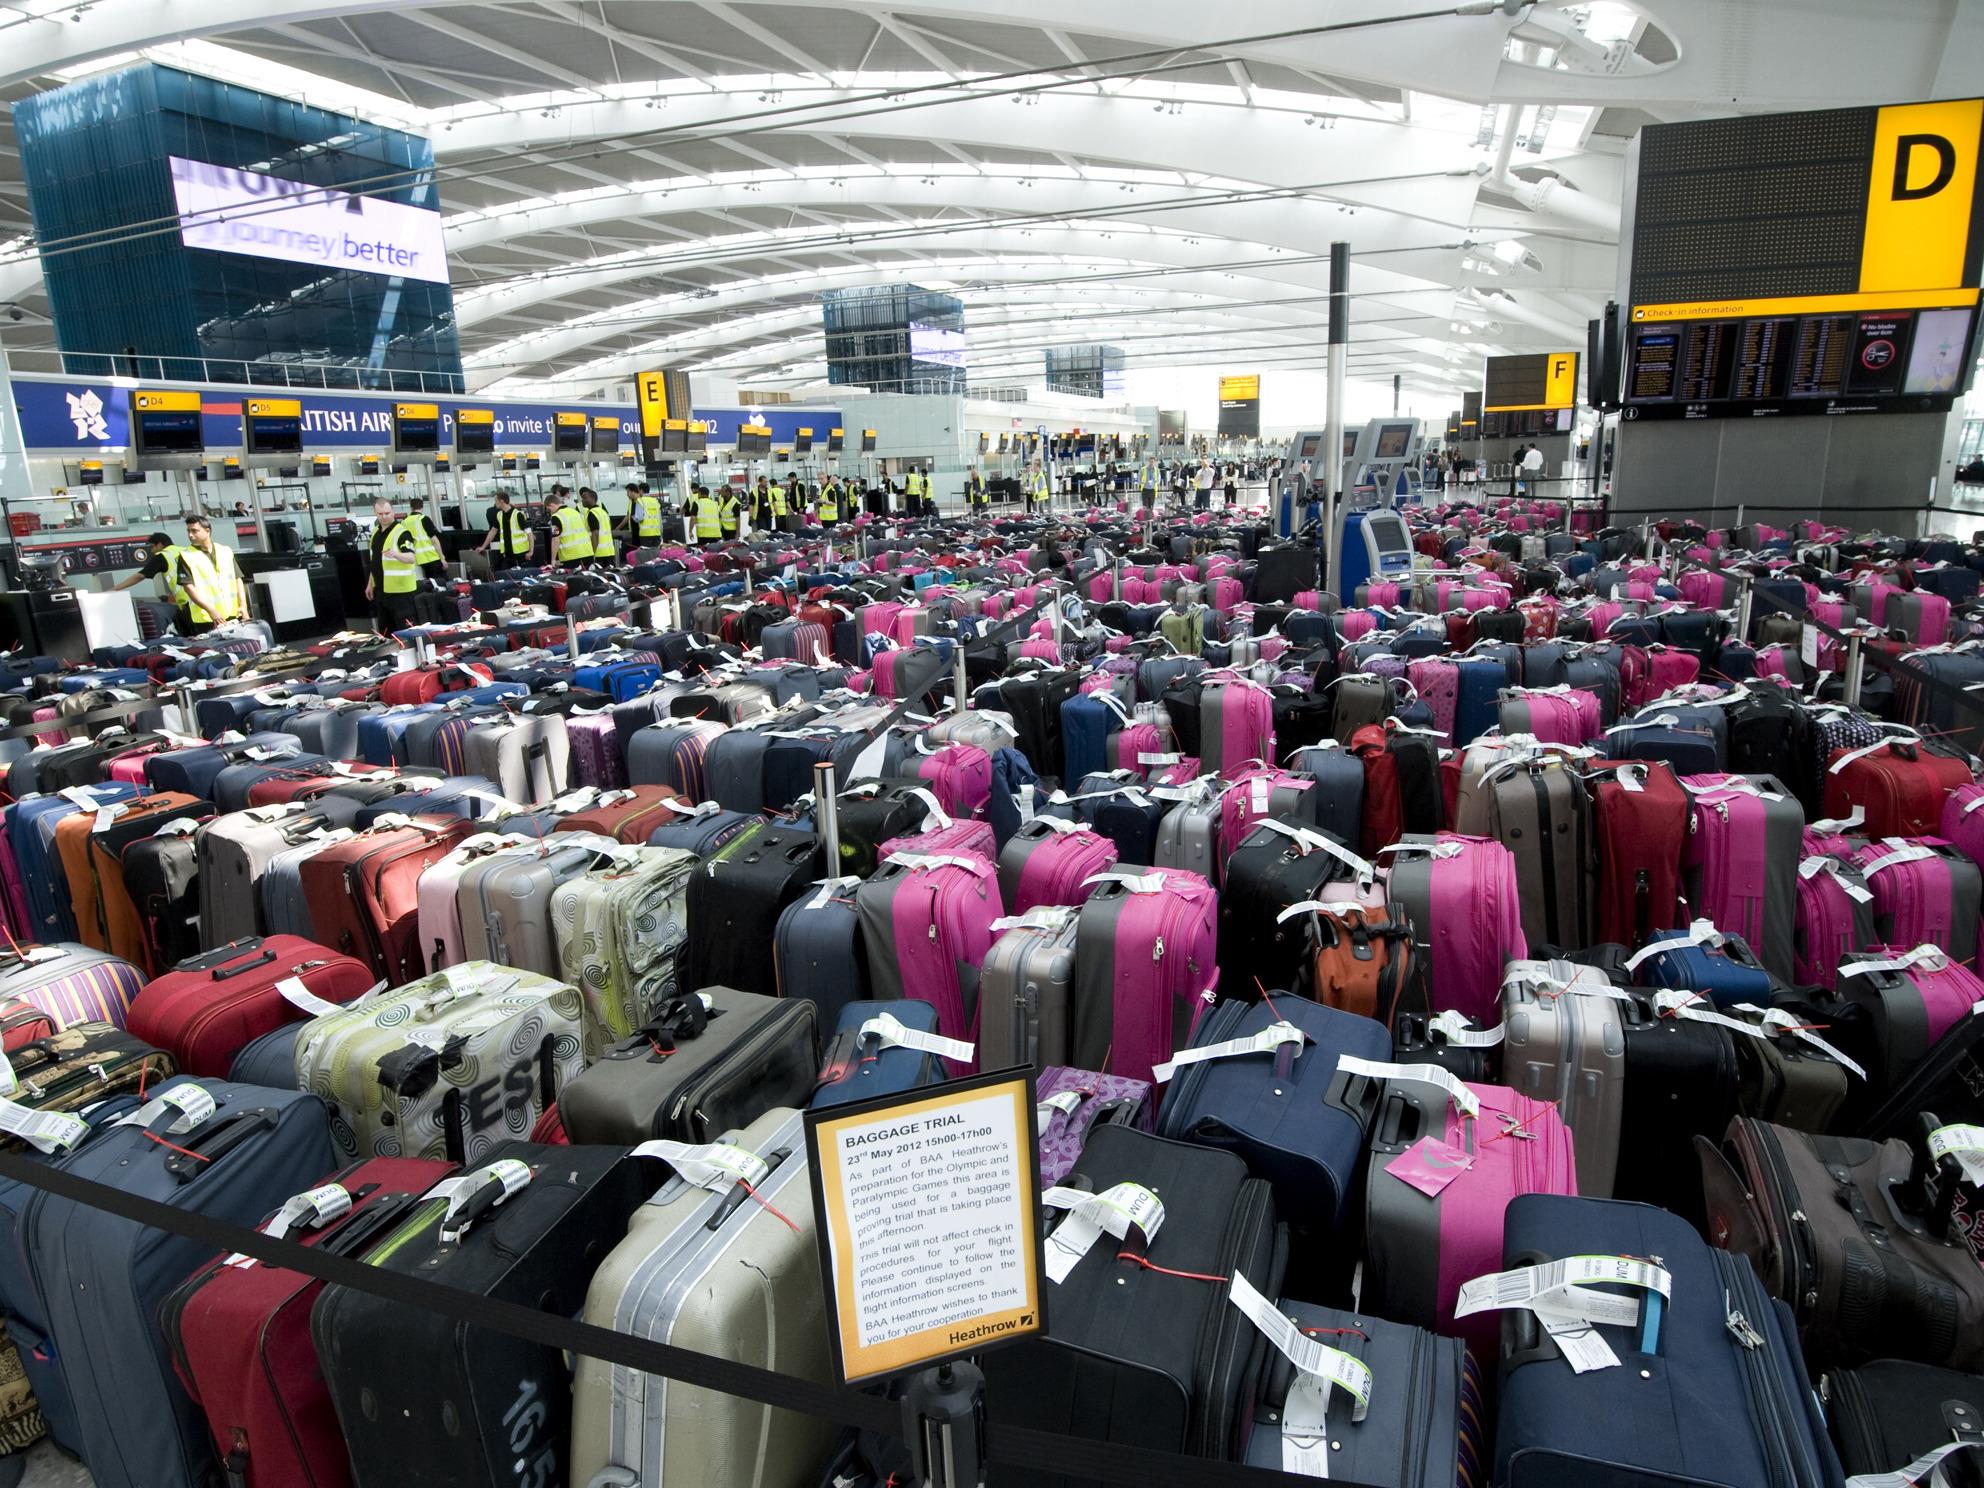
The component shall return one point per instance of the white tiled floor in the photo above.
(48, 1468)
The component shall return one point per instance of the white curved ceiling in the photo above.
(626, 180)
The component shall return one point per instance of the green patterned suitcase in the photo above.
(621, 930)
(446, 1067)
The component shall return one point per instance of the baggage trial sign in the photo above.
(929, 1225)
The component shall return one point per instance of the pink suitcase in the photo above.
(1925, 893)
(1145, 968)
(959, 776)
(1464, 903)
(1049, 651)
(1354, 625)
(1257, 792)
(926, 920)
(1437, 681)
(1963, 820)
(964, 838)
(14, 912)
(1668, 669)
(1236, 724)
(1128, 747)
(1727, 862)
(1835, 911)
(1049, 861)
(1226, 593)
(1517, 1145)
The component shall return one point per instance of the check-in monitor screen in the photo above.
(1394, 442)
(1387, 533)
(1312, 446)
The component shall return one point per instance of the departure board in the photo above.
(1821, 262)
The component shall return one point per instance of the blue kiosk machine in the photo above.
(1374, 543)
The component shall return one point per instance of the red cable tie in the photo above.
(174, 1146)
(768, 1206)
(1124, 1255)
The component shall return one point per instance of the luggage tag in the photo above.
(932, 861)
(1267, 1041)
(292, 991)
(1365, 871)
(1136, 883)
(105, 815)
(193, 1103)
(1454, 1028)
(83, 797)
(472, 1195)
(1319, 1370)
(1699, 933)
(938, 815)
(1964, 1143)
(1931, 958)
(889, 1033)
(1926, 1471)
(1051, 917)
(46, 1131)
(1898, 852)
(311, 1209)
(1896, 734)
(9, 1083)
(1561, 1295)
(1819, 863)
(1114, 1211)
(716, 1166)
(1465, 1100)
(832, 886)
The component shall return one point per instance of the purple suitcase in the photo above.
(1070, 1103)
(1236, 725)
(595, 751)
(1145, 968)
(1049, 861)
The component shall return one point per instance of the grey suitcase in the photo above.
(740, 1281)
(330, 731)
(1538, 808)
(527, 756)
(734, 769)
(1025, 989)
(504, 901)
(233, 851)
(707, 1062)
(1358, 700)
(285, 910)
(1188, 837)
(1569, 1047)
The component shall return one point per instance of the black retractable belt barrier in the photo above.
(1012, 1446)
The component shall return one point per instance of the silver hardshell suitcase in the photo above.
(527, 755)
(1188, 837)
(504, 900)
(738, 1280)
(235, 849)
(1565, 1042)
(1024, 990)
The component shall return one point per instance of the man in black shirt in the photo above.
(158, 566)
(509, 541)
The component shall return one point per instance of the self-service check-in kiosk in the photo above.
(1375, 546)
(1382, 461)
(1304, 478)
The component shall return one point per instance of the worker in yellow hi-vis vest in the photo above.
(1037, 494)
(642, 523)
(572, 546)
(599, 527)
(828, 507)
(207, 584)
(705, 515)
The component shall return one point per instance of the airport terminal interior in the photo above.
(833, 744)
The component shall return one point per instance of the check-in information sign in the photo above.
(929, 1229)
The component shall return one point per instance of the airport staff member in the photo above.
(426, 541)
(1037, 495)
(643, 519)
(777, 508)
(572, 539)
(975, 496)
(599, 527)
(761, 505)
(914, 487)
(828, 508)
(209, 586)
(726, 506)
(705, 515)
(395, 575)
(162, 564)
(508, 536)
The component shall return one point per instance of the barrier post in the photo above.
(944, 1418)
(826, 811)
(1744, 601)
(1856, 669)
(960, 685)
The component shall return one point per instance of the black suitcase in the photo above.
(1949, 1081)
(424, 1399)
(1888, 1413)
(1415, 1040)
(1681, 1082)
(1271, 869)
(734, 902)
(1301, 719)
(871, 813)
(1035, 705)
(162, 876)
(1286, 570)
(1134, 1354)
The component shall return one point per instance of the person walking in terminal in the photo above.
(509, 539)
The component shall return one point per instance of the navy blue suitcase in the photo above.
(1721, 1399)
(103, 1279)
(1130, 825)
(1298, 1121)
(818, 952)
(269, 1061)
(470, 797)
(231, 785)
(701, 835)
(857, 1068)
(382, 736)
(1699, 631)
(1591, 671)
(195, 770)
(1476, 696)
(214, 716)
(1086, 724)
(1634, 630)
(1339, 792)
(1725, 974)
(1544, 663)
(1688, 751)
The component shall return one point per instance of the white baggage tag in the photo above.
(1113, 1211)
(194, 1103)
(1819, 863)
(1925, 1471)
(937, 812)
(292, 991)
(932, 862)
(1266, 1041)
(311, 1210)
(45, 1131)
(1677, 1004)
(1318, 1360)
(1066, 1102)
(830, 887)
(1365, 872)
(81, 796)
(1929, 957)
(1898, 852)
(105, 815)
(1426, 1074)
(8, 1082)
(1455, 1030)
(507, 1175)
(1153, 761)
(1965, 1144)
(1701, 932)
(1898, 734)
(891, 1033)
(1053, 917)
(716, 1166)
(1776, 1020)
(1559, 1293)
(1136, 883)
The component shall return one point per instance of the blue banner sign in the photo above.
(73, 416)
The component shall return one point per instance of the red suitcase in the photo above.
(1901, 784)
(1641, 836)
(363, 892)
(240, 1334)
(274, 790)
(209, 1006)
(424, 684)
(22, 1023)
(630, 815)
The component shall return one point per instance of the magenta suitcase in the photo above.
(926, 921)
(1925, 893)
(959, 776)
(1049, 861)
(1464, 903)
(1139, 747)
(1146, 968)
(1236, 725)
(1437, 681)
(1668, 669)
(595, 751)
(1740, 864)
(1419, 1248)
(1554, 715)
(1835, 912)
(13, 897)
(966, 838)
(1260, 791)
(1963, 820)
(1226, 593)
(1354, 625)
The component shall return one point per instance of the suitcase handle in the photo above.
(202, 1150)
(220, 956)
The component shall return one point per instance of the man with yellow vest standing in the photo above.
(777, 508)
(828, 507)
(426, 541)
(207, 583)
(726, 506)
(509, 539)
(643, 520)
(395, 574)
(976, 499)
(705, 516)
(914, 487)
(599, 528)
(1037, 495)
(572, 540)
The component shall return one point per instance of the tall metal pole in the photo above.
(1333, 440)
(1398, 383)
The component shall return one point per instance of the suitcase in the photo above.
(927, 924)
(1145, 969)
(872, 812)
(1339, 793)
(1183, 1377)
(1538, 809)
(205, 1010)
(233, 851)
(700, 1271)
(706, 1062)
(1681, 1081)
(1909, 1011)
(79, 1065)
(1421, 1246)
(858, 1065)
(1640, 818)
(266, 1406)
(31, 827)
(817, 950)
(1722, 968)
(71, 983)
(1890, 1413)
(1732, 1404)
(1461, 897)
(363, 892)
(1072, 1104)
(701, 830)
(504, 901)
(444, 1067)
(527, 757)
(1026, 989)
(472, 1406)
(620, 928)
(1309, 1144)
(628, 814)
(1925, 893)
(735, 900)
(1049, 861)
(138, 1427)
(1855, 1237)
(1567, 1045)
(1900, 784)
(1740, 869)
(91, 847)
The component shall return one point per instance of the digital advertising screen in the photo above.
(262, 216)
(938, 344)
(1394, 442)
